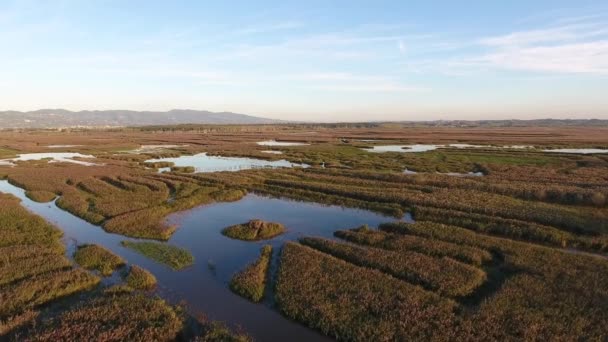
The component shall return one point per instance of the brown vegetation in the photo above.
(254, 230)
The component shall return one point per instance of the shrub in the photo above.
(172, 256)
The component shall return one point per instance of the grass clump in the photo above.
(40, 196)
(44, 288)
(251, 282)
(140, 279)
(33, 268)
(254, 230)
(218, 332)
(123, 317)
(183, 169)
(95, 257)
(172, 256)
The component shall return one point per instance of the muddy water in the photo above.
(204, 286)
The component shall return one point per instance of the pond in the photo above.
(271, 152)
(577, 150)
(402, 148)
(204, 163)
(66, 157)
(432, 147)
(205, 287)
(280, 143)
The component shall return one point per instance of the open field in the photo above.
(503, 242)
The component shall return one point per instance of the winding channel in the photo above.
(204, 286)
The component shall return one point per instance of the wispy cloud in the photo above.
(577, 48)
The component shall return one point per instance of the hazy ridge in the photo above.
(54, 118)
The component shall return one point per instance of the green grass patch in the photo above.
(172, 256)
(95, 257)
(40, 196)
(118, 317)
(251, 282)
(183, 169)
(254, 230)
(140, 279)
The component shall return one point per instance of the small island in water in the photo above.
(254, 230)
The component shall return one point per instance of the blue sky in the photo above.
(309, 60)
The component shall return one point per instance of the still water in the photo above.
(65, 157)
(204, 163)
(578, 150)
(280, 143)
(204, 286)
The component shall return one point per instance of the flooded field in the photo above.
(402, 148)
(280, 143)
(577, 150)
(204, 286)
(205, 163)
(65, 157)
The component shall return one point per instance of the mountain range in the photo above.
(61, 118)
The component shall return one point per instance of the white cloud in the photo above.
(589, 57)
(572, 48)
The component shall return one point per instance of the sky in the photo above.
(309, 60)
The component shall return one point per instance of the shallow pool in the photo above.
(577, 150)
(204, 163)
(66, 157)
(280, 143)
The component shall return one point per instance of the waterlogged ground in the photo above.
(280, 143)
(205, 163)
(204, 286)
(66, 157)
(432, 147)
(577, 150)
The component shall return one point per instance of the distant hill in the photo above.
(60, 118)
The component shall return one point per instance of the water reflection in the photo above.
(204, 163)
(204, 286)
